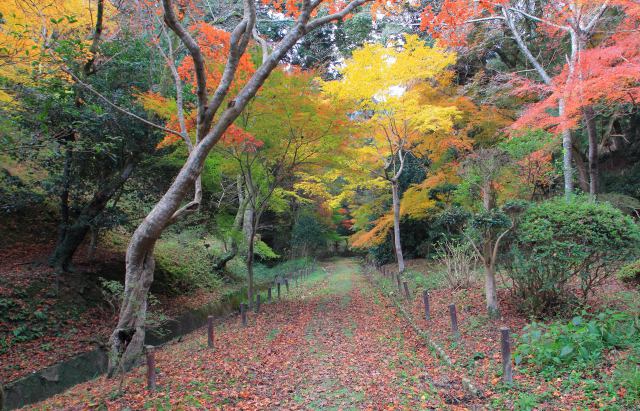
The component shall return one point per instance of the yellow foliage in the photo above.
(29, 32)
(377, 74)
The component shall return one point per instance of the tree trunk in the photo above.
(396, 225)
(490, 280)
(247, 222)
(64, 197)
(250, 251)
(592, 133)
(581, 166)
(128, 337)
(221, 263)
(488, 198)
(566, 155)
(75, 234)
(93, 244)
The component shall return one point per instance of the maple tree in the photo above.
(567, 82)
(272, 143)
(406, 115)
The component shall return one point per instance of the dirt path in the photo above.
(332, 343)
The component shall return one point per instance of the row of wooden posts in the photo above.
(296, 276)
(505, 334)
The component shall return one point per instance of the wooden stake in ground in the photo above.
(406, 291)
(257, 303)
(151, 367)
(454, 321)
(399, 281)
(210, 331)
(507, 369)
(278, 290)
(427, 308)
(243, 314)
(286, 284)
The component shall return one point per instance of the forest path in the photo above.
(333, 342)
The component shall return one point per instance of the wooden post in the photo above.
(406, 290)
(399, 283)
(151, 367)
(210, 331)
(427, 308)
(507, 369)
(269, 294)
(454, 321)
(286, 284)
(278, 290)
(243, 314)
(258, 303)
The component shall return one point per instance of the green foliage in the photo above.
(521, 145)
(579, 343)
(383, 253)
(309, 233)
(183, 263)
(112, 293)
(265, 252)
(629, 272)
(15, 195)
(559, 241)
(627, 377)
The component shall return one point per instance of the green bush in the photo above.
(560, 241)
(580, 343)
(630, 272)
(184, 263)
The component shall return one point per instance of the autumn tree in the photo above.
(286, 129)
(389, 88)
(572, 26)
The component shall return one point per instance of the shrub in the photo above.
(580, 343)
(630, 272)
(184, 263)
(460, 261)
(264, 252)
(560, 241)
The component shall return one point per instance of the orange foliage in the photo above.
(215, 44)
(292, 8)
(375, 236)
(536, 169)
(245, 141)
(450, 23)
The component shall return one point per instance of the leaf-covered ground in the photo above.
(333, 342)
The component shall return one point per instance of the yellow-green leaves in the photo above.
(377, 75)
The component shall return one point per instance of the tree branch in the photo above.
(118, 108)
